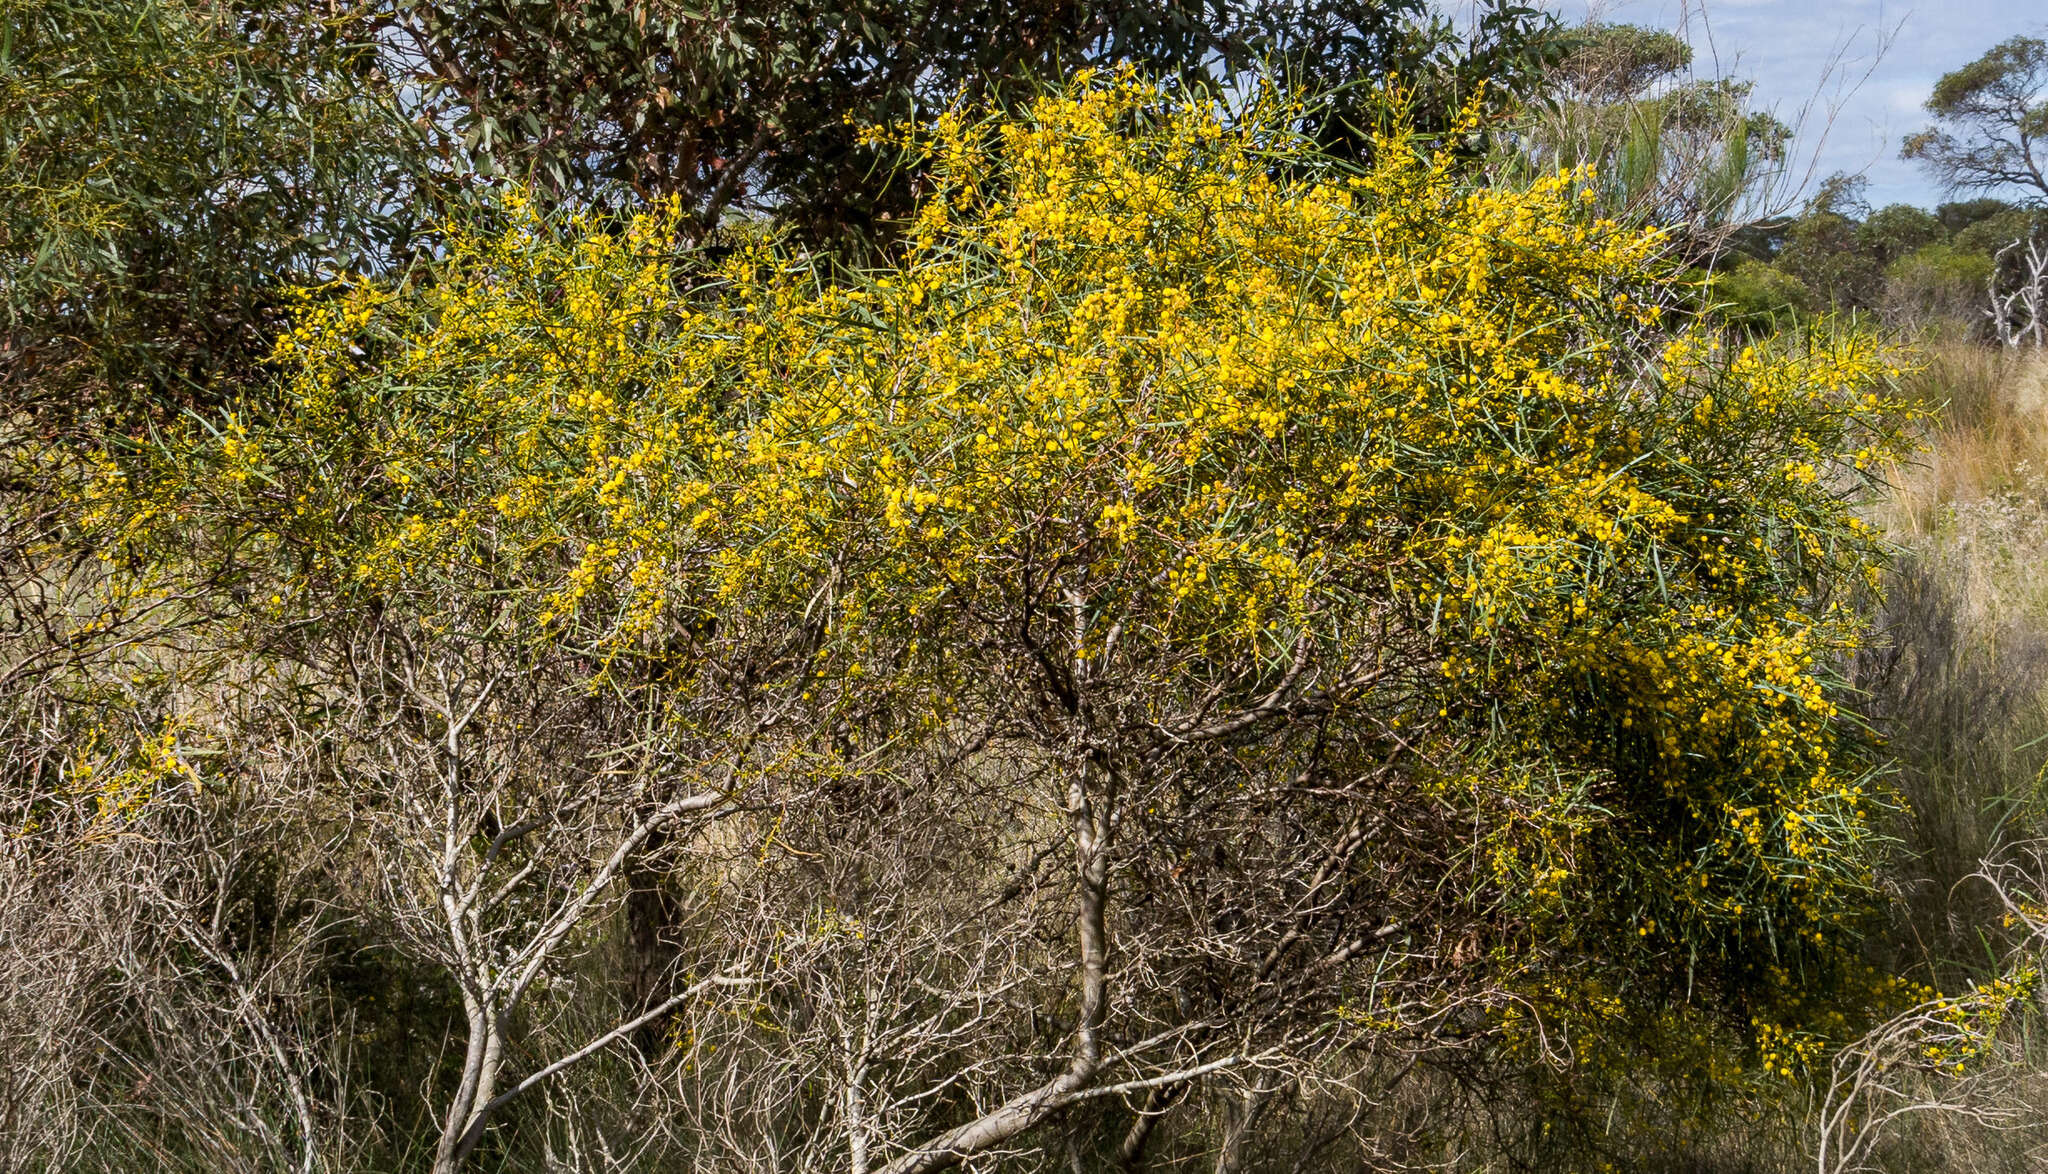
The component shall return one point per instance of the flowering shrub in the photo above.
(1244, 490)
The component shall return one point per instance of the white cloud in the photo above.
(1907, 97)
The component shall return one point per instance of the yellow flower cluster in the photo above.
(123, 776)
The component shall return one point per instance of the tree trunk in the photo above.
(651, 917)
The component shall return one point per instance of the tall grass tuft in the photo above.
(1991, 441)
(1958, 694)
(1959, 685)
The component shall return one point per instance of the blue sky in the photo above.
(1817, 64)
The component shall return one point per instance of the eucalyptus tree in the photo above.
(1992, 117)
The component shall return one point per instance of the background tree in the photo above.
(1929, 272)
(236, 151)
(1668, 148)
(1994, 122)
(1824, 249)
(760, 106)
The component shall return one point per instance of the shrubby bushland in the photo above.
(1206, 622)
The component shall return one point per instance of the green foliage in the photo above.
(1758, 297)
(1895, 230)
(1988, 234)
(1615, 62)
(1915, 269)
(1822, 252)
(169, 167)
(1958, 215)
(762, 105)
(1938, 283)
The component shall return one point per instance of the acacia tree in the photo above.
(1190, 623)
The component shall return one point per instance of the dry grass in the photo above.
(1960, 683)
(1990, 439)
(1959, 687)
